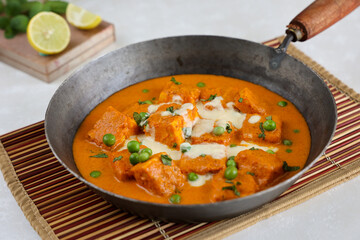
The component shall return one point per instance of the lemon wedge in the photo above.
(48, 33)
(81, 18)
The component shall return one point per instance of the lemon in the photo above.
(48, 33)
(81, 18)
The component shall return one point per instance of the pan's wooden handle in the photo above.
(320, 15)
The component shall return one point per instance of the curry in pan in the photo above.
(191, 139)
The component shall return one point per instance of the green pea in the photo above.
(288, 150)
(231, 163)
(95, 174)
(147, 150)
(218, 131)
(231, 173)
(143, 157)
(134, 158)
(193, 176)
(201, 84)
(287, 142)
(133, 146)
(175, 199)
(282, 104)
(269, 125)
(109, 139)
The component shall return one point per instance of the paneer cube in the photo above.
(120, 162)
(135, 107)
(116, 123)
(251, 130)
(158, 178)
(178, 93)
(201, 165)
(247, 102)
(166, 129)
(265, 167)
(244, 184)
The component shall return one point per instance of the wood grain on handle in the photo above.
(320, 15)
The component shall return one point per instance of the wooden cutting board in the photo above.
(18, 53)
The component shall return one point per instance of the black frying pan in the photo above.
(253, 62)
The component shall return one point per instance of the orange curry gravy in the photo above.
(259, 158)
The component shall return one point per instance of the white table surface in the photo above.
(334, 214)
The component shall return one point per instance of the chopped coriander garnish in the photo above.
(145, 90)
(287, 168)
(174, 145)
(174, 81)
(262, 134)
(140, 118)
(170, 109)
(95, 174)
(288, 150)
(270, 151)
(166, 160)
(153, 98)
(137, 117)
(100, 155)
(232, 188)
(253, 148)
(233, 145)
(296, 130)
(201, 84)
(268, 118)
(240, 100)
(202, 155)
(185, 147)
(145, 102)
(117, 158)
(227, 181)
(231, 158)
(238, 183)
(250, 173)
(228, 128)
(212, 97)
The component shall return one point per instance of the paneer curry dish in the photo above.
(191, 139)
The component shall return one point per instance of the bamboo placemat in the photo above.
(59, 206)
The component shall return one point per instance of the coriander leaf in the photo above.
(227, 181)
(233, 145)
(231, 158)
(170, 109)
(166, 160)
(174, 81)
(250, 173)
(262, 134)
(287, 168)
(232, 188)
(268, 118)
(240, 100)
(253, 148)
(174, 145)
(137, 118)
(202, 155)
(212, 97)
(228, 128)
(100, 155)
(117, 158)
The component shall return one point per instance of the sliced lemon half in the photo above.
(81, 18)
(48, 33)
